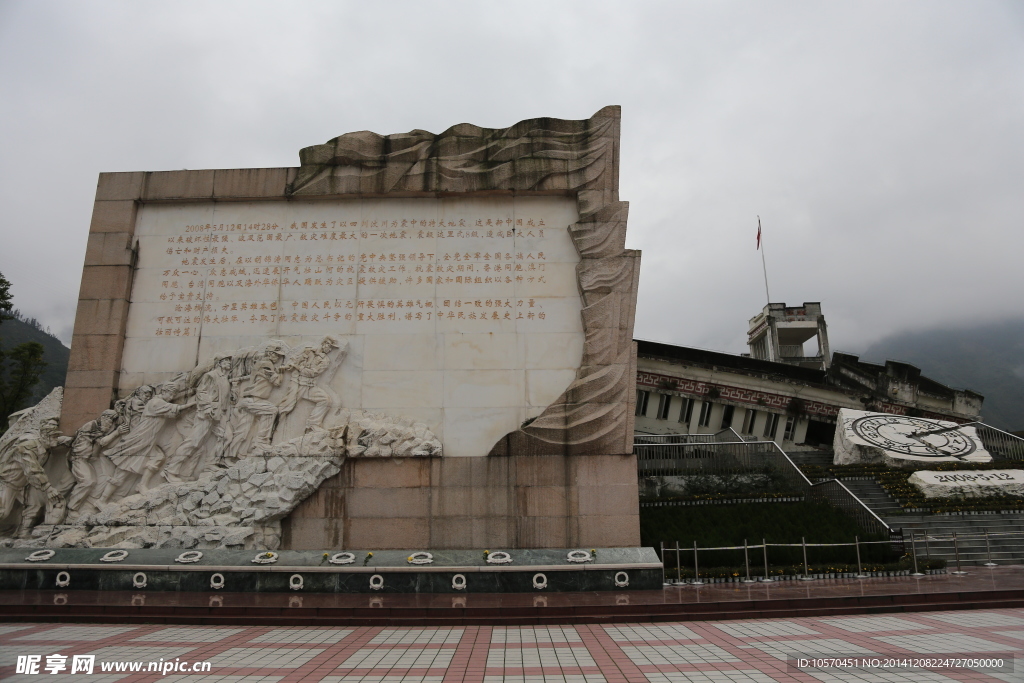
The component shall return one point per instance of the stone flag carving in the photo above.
(539, 155)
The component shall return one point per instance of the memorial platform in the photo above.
(1000, 587)
(384, 571)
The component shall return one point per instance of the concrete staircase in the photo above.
(970, 530)
(821, 458)
(875, 497)
(939, 529)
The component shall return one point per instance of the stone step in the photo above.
(1005, 542)
(823, 458)
(950, 522)
(874, 496)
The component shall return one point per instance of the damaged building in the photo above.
(781, 391)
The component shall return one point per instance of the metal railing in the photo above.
(926, 539)
(739, 457)
(766, 577)
(1002, 445)
(727, 435)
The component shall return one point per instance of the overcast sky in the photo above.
(881, 143)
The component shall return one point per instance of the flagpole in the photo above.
(760, 245)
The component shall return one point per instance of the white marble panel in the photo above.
(471, 432)
(159, 354)
(544, 386)
(403, 352)
(155, 284)
(550, 314)
(557, 214)
(461, 317)
(481, 351)
(394, 286)
(399, 389)
(546, 278)
(484, 388)
(547, 244)
(433, 297)
(550, 350)
(419, 319)
(311, 324)
(466, 212)
(173, 219)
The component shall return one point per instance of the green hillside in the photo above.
(986, 358)
(14, 331)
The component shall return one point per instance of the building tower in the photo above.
(778, 334)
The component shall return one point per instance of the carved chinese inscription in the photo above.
(217, 274)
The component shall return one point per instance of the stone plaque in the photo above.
(904, 441)
(461, 313)
(969, 484)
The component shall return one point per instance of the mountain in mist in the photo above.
(987, 358)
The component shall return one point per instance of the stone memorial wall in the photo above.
(409, 341)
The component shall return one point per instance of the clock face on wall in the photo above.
(910, 436)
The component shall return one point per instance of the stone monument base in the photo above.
(497, 502)
(405, 571)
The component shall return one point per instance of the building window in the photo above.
(748, 421)
(771, 425)
(664, 403)
(790, 428)
(727, 414)
(705, 414)
(641, 402)
(686, 411)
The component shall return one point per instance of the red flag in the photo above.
(758, 234)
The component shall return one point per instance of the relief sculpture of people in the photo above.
(174, 432)
(23, 479)
(309, 365)
(210, 424)
(255, 406)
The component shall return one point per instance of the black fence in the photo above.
(765, 560)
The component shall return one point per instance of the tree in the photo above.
(5, 298)
(19, 371)
(20, 367)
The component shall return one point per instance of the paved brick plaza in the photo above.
(711, 652)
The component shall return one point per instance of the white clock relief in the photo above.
(903, 441)
(913, 436)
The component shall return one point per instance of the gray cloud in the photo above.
(881, 143)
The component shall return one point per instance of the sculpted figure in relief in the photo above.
(213, 409)
(129, 409)
(22, 478)
(308, 366)
(254, 405)
(139, 453)
(89, 438)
